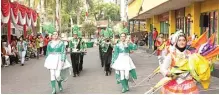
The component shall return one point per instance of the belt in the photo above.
(124, 53)
(55, 53)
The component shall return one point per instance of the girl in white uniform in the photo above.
(56, 62)
(122, 63)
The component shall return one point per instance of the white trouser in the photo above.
(55, 75)
(7, 60)
(124, 74)
(22, 56)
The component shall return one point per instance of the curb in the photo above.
(215, 73)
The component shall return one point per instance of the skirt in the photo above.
(187, 87)
(123, 62)
(53, 61)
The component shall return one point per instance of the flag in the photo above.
(86, 9)
(201, 40)
(212, 38)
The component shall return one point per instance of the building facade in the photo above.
(192, 16)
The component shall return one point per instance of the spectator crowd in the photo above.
(23, 48)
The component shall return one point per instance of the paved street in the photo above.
(33, 78)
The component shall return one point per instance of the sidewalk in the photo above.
(215, 73)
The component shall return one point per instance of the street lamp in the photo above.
(189, 18)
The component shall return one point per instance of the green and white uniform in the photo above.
(57, 63)
(22, 49)
(123, 64)
(77, 47)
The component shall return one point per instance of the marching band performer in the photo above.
(107, 48)
(100, 47)
(76, 48)
(56, 62)
(122, 63)
(83, 50)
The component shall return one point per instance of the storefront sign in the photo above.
(164, 17)
(180, 13)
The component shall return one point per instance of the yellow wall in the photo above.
(133, 8)
(172, 22)
(209, 5)
(156, 23)
(150, 4)
(194, 10)
(148, 22)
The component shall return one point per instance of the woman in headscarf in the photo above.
(56, 62)
(181, 81)
(122, 63)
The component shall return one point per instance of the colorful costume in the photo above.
(77, 47)
(100, 47)
(182, 68)
(83, 48)
(184, 83)
(107, 49)
(123, 64)
(57, 63)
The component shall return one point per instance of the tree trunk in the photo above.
(42, 17)
(60, 18)
(90, 36)
(78, 16)
(57, 15)
(71, 26)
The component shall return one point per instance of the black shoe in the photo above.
(74, 75)
(22, 64)
(109, 72)
(106, 73)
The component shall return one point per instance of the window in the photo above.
(212, 22)
(4, 30)
(180, 20)
(164, 28)
(216, 28)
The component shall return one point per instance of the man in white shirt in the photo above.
(13, 57)
(7, 60)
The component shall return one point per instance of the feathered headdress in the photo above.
(75, 29)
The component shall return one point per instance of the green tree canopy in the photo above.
(88, 28)
(104, 11)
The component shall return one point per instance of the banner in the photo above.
(5, 11)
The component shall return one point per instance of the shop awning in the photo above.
(133, 8)
(156, 7)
